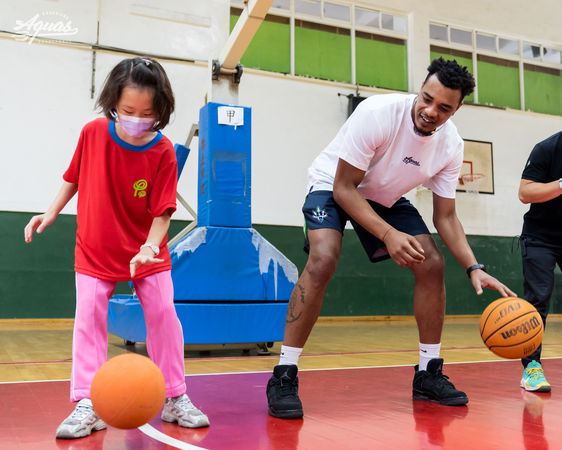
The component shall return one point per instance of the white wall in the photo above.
(45, 100)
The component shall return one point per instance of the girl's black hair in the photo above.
(145, 73)
(452, 75)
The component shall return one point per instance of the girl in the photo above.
(125, 172)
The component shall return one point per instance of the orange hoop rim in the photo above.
(470, 177)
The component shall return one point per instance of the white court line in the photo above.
(303, 370)
(152, 432)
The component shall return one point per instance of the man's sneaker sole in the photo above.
(454, 401)
(287, 414)
(535, 389)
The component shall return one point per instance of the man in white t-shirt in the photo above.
(388, 146)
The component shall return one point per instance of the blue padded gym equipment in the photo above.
(230, 284)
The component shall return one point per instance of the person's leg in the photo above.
(89, 342)
(164, 334)
(429, 309)
(306, 299)
(303, 310)
(164, 341)
(538, 273)
(429, 292)
(89, 352)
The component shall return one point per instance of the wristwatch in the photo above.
(152, 246)
(560, 183)
(475, 267)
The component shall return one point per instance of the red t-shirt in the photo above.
(121, 189)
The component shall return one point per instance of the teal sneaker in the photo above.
(533, 378)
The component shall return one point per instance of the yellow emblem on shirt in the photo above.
(140, 188)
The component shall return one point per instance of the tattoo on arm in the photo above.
(297, 294)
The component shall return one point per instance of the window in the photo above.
(485, 42)
(270, 49)
(531, 51)
(508, 46)
(322, 51)
(509, 72)
(281, 4)
(367, 18)
(461, 36)
(438, 32)
(335, 11)
(371, 50)
(498, 82)
(310, 7)
(325, 33)
(543, 89)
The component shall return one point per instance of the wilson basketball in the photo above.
(128, 391)
(511, 328)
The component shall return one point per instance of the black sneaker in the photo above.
(432, 385)
(282, 393)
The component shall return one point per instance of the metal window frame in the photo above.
(519, 58)
(350, 25)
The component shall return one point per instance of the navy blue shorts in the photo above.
(321, 211)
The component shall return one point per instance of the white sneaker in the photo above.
(81, 422)
(181, 410)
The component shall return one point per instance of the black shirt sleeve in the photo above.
(538, 165)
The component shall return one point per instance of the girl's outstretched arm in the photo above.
(66, 192)
(157, 232)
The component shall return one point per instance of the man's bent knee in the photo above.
(433, 266)
(321, 268)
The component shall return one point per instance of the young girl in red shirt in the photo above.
(125, 173)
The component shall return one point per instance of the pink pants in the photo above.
(164, 338)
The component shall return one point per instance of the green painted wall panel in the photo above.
(37, 279)
(362, 288)
(322, 54)
(543, 92)
(270, 48)
(381, 64)
(498, 85)
(467, 62)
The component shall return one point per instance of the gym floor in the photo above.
(355, 384)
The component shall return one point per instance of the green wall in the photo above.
(543, 92)
(381, 64)
(322, 54)
(37, 279)
(270, 48)
(498, 85)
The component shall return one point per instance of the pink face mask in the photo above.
(136, 126)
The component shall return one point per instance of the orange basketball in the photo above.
(511, 328)
(128, 391)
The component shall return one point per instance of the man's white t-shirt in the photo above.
(379, 138)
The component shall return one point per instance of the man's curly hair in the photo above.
(452, 75)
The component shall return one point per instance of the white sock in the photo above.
(427, 353)
(289, 355)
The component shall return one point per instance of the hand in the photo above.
(37, 223)
(145, 256)
(481, 279)
(403, 248)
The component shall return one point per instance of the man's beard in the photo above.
(416, 129)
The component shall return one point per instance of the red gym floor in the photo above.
(344, 409)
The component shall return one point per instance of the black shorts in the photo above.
(321, 211)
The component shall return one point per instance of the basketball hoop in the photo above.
(471, 181)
